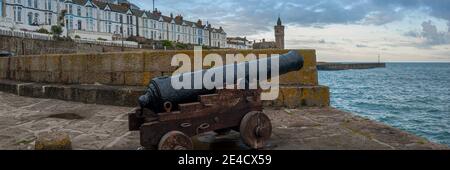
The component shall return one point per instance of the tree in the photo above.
(42, 31)
(57, 31)
(61, 17)
(167, 43)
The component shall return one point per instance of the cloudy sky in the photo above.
(340, 30)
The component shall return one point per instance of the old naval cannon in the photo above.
(168, 117)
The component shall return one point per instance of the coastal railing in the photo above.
(127, 44)
(25, 34)
(40, 36)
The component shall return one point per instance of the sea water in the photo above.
(414, 97)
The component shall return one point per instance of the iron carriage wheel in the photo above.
(255, 129)
(175, 140)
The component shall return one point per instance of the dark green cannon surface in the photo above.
(160, 91)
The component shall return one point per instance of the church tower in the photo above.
(279, 34)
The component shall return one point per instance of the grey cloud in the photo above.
(448, 25)
(322, 41)
(431, 34)
(381, 18)
(244, 17)
(412, 34)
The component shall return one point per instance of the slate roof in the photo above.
(152, 15)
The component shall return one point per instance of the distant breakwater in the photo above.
(348, 66)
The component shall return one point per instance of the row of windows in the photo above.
(35, 4)
(89, 11)
(34, 19)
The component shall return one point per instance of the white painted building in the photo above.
(239, 43)
(95, 19)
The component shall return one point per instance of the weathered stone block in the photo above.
(3, 74)
(117, 78)
(127, 62)
(4, 63)
(38, 63)
(131, 96)
(53, 77)
(301, 96)
(85, 94)
(74, 63)
(87, 78)
(13, 63)
(53, 141)
(8, 86)
(158, 61)
(302, 77)
(133, 78)
(108, 95)
(60, 92)
(71, 77)
(53, 63)
(98, 77)
(30, 90)
(38, 76)
(148, 76)
(100, 63)
(23, 63)
(23, 76)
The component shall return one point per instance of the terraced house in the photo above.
(109, 20)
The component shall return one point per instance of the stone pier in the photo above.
(101, 127)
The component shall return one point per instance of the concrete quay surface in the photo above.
(99, 127)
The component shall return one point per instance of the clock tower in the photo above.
(279, 34)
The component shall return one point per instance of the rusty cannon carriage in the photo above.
(167, 117)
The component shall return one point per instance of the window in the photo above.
(36, 18)
(17, 14)
(30, 3)
(79, 25)
(70, 9)
(130, 19)
(89, 12)
(90, 24)
(70, 23)
(30, 18)
(50, 17)
(79, 11)
(108, 27)
(49, 5)
(36, 4)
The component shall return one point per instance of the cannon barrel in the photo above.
(161, 93)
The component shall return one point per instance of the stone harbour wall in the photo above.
(298, 89)
(349, 66)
